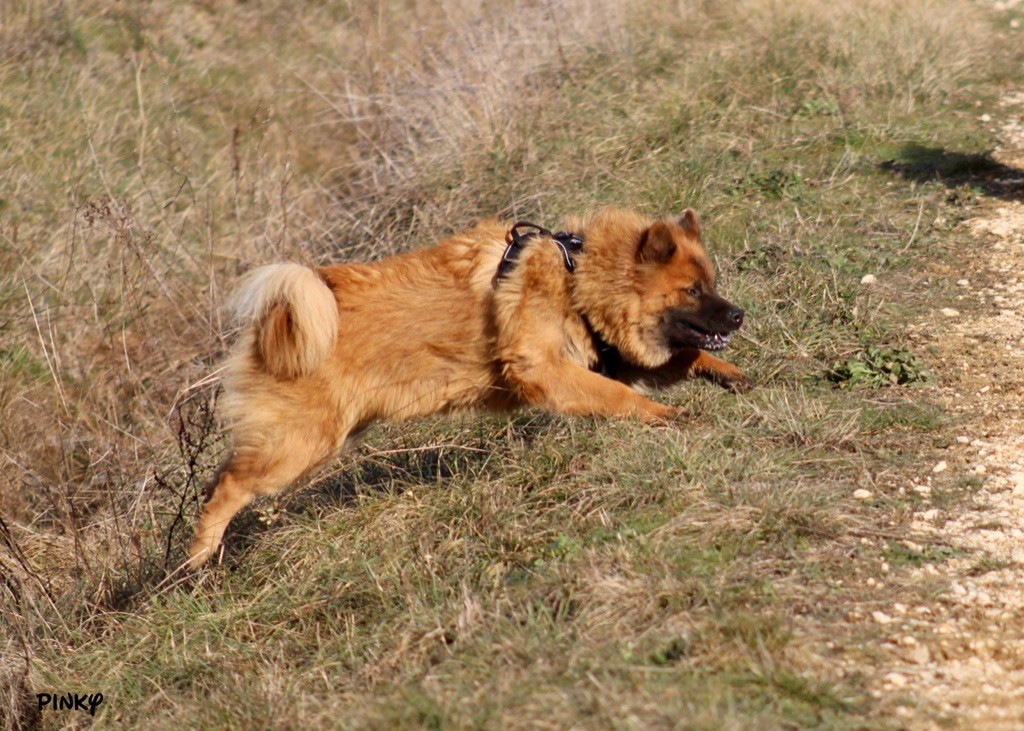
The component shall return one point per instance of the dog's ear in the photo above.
(689, 223)
(656, 244)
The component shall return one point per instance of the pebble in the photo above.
(896, 680)
(940, 467)
(868, 279)
(862, 494)
(950, 312)
(881, 617)
(919, 655)
(963, 283)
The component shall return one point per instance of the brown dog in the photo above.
(573, 323)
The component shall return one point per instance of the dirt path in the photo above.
(961, 657)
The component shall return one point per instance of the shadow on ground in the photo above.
(482, 456)
(955, 169)
(395, 472)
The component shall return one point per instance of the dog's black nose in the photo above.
(735, 316)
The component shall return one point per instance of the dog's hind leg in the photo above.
(231, 492)
(249, 472)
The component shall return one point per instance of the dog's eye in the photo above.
(693, 292)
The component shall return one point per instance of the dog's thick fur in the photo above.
(325, 352)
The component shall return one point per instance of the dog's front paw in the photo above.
(671, 417)
(681, 413)
(735, 380)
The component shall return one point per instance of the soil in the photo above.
(958, 660)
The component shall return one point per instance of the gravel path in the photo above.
(960, 658)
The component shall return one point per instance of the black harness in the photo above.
(609, 359)
(566, 242)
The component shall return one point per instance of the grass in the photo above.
(474, 571)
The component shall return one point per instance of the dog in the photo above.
(499, 317)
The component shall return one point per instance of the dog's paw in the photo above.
(736, 382)
(662, 415)
(681, 413)
(672, 416)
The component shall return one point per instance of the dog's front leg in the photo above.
(686, 364)
(566, 388)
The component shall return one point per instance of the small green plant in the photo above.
(764, 258)
(771, 185)
(875, 367)
(818, 107)
(18, 360)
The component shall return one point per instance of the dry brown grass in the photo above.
(193, 142)
(475, 572)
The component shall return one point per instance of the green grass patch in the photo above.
(476, 571)
(875, 367)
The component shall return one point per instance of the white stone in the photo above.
(868, 279)
(896, 680)
(950, 312)
(862, 494)
(919, 655)
(940, 467)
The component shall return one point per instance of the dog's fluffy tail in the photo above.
(294, 315)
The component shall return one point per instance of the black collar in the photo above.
(609, 359)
